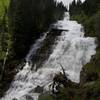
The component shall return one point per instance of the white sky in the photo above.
(66, 2)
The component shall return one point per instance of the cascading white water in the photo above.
(35, 47)
(72, 50)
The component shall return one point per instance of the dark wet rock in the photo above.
(10, 71)
(83, 77)
(14, 99)
(21, 65)
(88, 76)
(28, 97)
(92, 76)
(46, 49)
(55, 29)
(38, 89)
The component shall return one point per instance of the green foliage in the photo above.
(64, 94)
(3, 4)
(88, 14)
(97, 25)
(5, 37)
(92, 90)
(28, 19)
(90, 7)
(46, 97)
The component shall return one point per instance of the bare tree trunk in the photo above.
(4, 63)
(3, 29)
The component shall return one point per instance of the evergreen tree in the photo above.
(28, 19)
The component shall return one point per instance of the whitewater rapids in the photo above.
(72, 50)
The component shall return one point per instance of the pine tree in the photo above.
(28, 19)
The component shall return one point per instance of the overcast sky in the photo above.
(66, 2)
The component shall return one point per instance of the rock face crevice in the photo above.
(46, 49)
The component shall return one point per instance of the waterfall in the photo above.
(71, 49)
(35, 47)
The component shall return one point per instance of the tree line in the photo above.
(28, 19)
(87, 13)
(21, 23)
